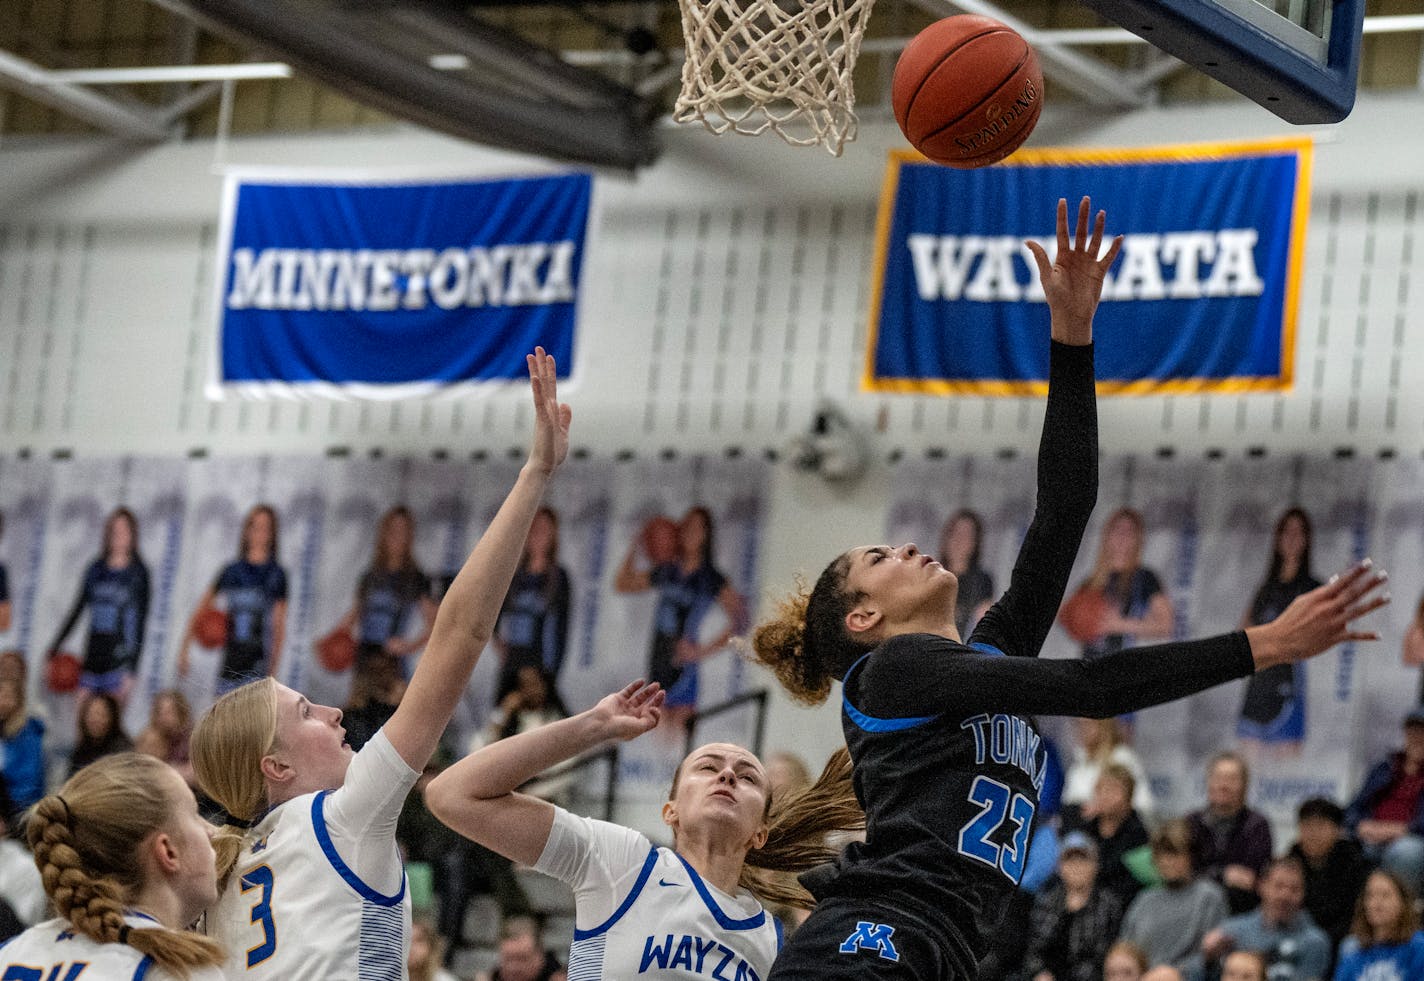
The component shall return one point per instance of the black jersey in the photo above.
(948, 765)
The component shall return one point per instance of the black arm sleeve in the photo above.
(921, 674)
(1067, 490)
(72, 617)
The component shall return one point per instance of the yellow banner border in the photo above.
(1304, 148)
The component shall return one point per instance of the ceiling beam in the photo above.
(32, 81)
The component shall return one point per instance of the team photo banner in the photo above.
(1203, 298)
(385, 290)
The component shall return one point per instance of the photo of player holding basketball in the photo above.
(251, 596)
(115, 590)
(689, 587)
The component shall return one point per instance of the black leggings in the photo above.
(853, 938)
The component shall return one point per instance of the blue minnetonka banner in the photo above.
(386, 290)
(1203, 298)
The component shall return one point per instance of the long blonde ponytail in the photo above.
(228, 746)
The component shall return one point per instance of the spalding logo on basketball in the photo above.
(967, 91)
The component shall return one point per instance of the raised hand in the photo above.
(1073, 281)
(629, 713)
(551, 417)
(1321, 618)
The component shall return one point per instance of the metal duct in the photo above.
(514, 95)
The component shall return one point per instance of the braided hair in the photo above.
(86, 840)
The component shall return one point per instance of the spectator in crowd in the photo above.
(21, 889)
(115, 588)
(377, 687)
(22, 763)
(1121, 837)
(1074, 919)
(522, 956)
(1335, 868)
(170, 727)
(1413, 644)
(961, 542)
(1100, 742)
(1138, 609)
(1273, 711)
(787, 773)
(13, 667)
(1232, 841)
(1385, 943)
(1279, 929)
(1128, 962)
(1386, 815)
(1243, 965)
(533, 629)
(101, 732)
(1168, 921)
(427, 949)
(1125, 961)
(530, 704)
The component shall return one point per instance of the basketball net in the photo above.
(754, 65)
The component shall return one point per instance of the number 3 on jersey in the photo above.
(999, 805)
(261, 878)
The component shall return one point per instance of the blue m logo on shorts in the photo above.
(871, 936)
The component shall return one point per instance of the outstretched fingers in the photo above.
(1080, 228)
(1105, 263)
(1062, 226)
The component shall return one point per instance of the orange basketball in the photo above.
(62, 672)
(210, 628)
(1083, 615)
(660, 540)
(337, 650)
(967, 91)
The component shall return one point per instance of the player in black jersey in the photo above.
(947, 763)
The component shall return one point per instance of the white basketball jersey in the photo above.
(314, 897)
(52, 951)
(644, 912)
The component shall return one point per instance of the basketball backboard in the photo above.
(1298, 58)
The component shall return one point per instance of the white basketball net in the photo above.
(785, 65)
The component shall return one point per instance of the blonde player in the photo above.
(690, 911)
(312, 883)
(128, 864)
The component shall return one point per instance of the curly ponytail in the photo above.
(85, 840)
(803, 829)
(228, 746)
(807, 644)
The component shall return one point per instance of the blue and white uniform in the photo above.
(53, 950)
(319, 891)
(642, 911)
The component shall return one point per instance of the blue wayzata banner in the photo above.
(387, 290)
(1203, 298)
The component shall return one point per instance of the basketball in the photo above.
(210, 629)
(660, 540)
(1083, 615)
(336, 651)
(62, 673)
(967, 91)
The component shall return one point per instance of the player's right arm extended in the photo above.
(477, 797)
(471, 606)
